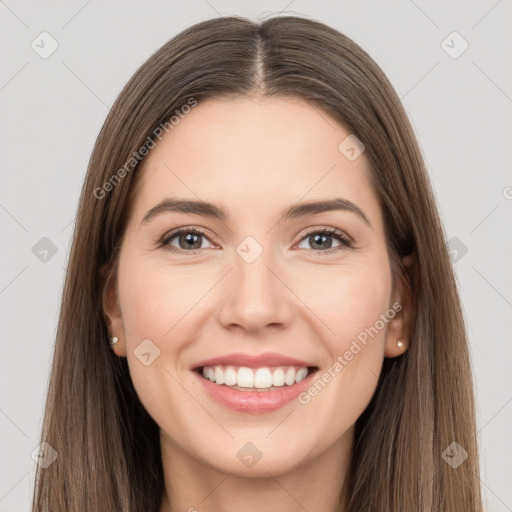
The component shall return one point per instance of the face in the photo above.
(309, 289)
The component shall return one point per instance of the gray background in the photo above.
(52, 110)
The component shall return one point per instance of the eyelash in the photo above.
(345, 241)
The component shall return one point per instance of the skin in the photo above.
(255, 157)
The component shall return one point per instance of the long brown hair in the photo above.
(108, 446)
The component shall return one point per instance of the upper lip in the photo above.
(251, 361)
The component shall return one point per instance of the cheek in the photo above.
(154, 303)
(353, 307)
(157, 299)
(162, 304)
(353, 310)
(363, 298)
(347, 301)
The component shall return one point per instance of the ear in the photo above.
(112, 311)
(399, 327)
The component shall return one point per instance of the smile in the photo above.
(254, 390)
(255, 379)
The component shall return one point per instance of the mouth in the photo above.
(254, 390)
(257, 380)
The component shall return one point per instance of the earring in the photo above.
(400, 343)
(113, 341)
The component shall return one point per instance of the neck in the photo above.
(312, 484)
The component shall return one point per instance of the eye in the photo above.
(188, 240)
(321, 239)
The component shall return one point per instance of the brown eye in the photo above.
(321, 240)
(187, 240)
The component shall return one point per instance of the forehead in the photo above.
(253, 153)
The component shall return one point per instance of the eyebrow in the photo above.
(206, 209)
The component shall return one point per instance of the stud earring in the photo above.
(113, 341)
(400, 343)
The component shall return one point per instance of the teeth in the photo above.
(230, 376)
(278, 377)
(245, 377)
(260, 378)
(219, 375)
(301, 374)
(289, 377)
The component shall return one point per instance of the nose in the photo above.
(256, 296)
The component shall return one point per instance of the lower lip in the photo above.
(255, 401)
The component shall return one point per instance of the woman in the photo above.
(259, 309)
